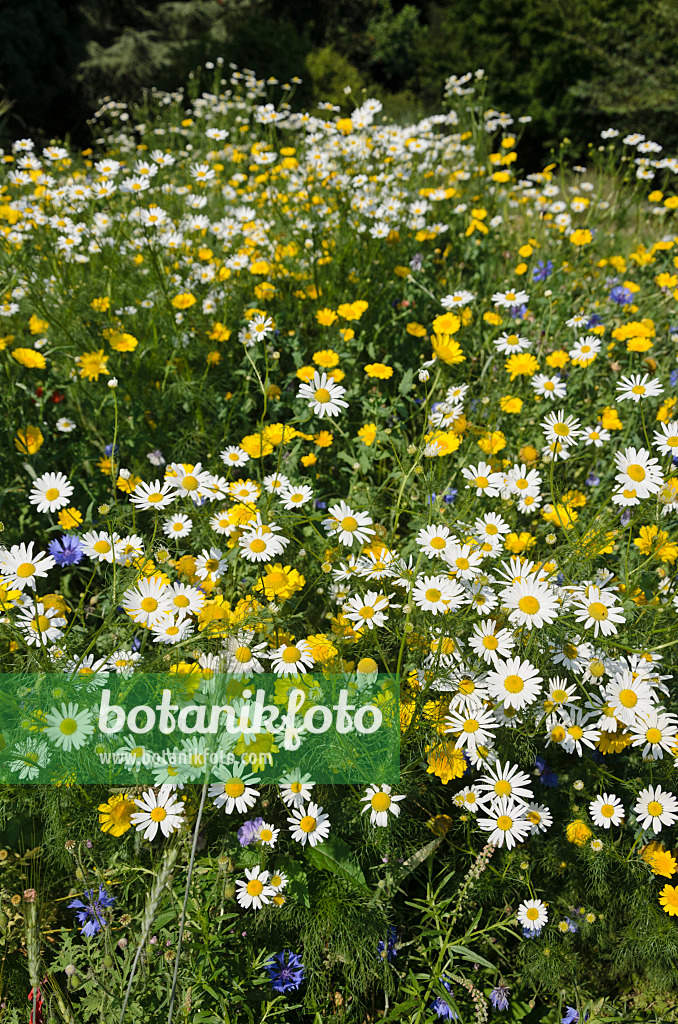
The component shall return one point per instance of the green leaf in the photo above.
(405, 385)
(337, 857)
(474, 958)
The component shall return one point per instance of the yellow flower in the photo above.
(256, 446)
(560, 514)
(668, 899)
(123, 342)
(446, 323)
(521, 364)
(259, 267)
(653, 541)
(352, 310)
(446, 761)
(582, 236)
(324, 438)
(662, 862)
(379, 370)
(306, 373)
(510, 404)
(528, 453)
(30, 358)
(492, 442)
(184, 300)
(613, 742)
(115, 815)
(558, 359)
(101, 305)
(492, 318)
(368, 433)
(92, 364)
(326, 357)
(609, 418)
(28, 441)
(322, 648)
(336, 375)
(666, 410)
(517, 543)
(416, 330)
(446, 441)
(577, 832)
(326, 317)
(347, 333)
(279, 582)
(5, 341)
(219, 332)
(447, 349)
(36, 325)
(212, 358)
(70, 518)
(309, 460)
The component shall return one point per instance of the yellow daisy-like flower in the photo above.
(416, 330)
(521, 364)
(28, 441)
(30, 358)
(114, 816)
(36, 325)
(326, 317)
(70, 518)
(668, 900)
(368, 433)
(446, 761)
(184, 301)
(322, 649)
(447, 349)
(279, 582)
(327, 358)
(122, 342)
(256, 446)
(324, 438)
(92, 364)
(577, 832)
(379, 370)
(582, 236)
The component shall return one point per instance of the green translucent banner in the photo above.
(151, 729)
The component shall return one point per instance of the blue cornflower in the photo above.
(518, 312)
(499, 996)
(66, 551)
(249, 830)
(450, 496)
(595, 320)
(571, 925)
(592, 480)
(673, 378)
(542, 270)
(625, 517)
(546, 775)
(572, 1016)
(90, 915)
(320, 504)
(387, 950)
(532, 933)
(109, 450)
(621, 295)
(442, 1007)
(285, 970)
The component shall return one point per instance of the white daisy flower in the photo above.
(533, 915)
(606, 810)
(234, 456)
(156, 495)
(158, 811)
(69, 728)
(232, 792)
(349, 525)
(292, 659)
(50, 492)
(178, 525)
(295, 788)
(324, 396)
(656, 808)
(254, 890)
(637, 388)
(506, 822)
(515, 682)
(380, 801)
(309, 825)
(20, 567)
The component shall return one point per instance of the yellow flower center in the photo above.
(25, 570)
(234, 788)
(102, 546)
(598, 611)
(561, 429)
(381, 802)
(149, 604)
(322, 395)
(607, 810)
(349, 524)
(40, 624)
(68, 726)
(636, 472)
(490, 643)
(157, 496)
(532, 914)
(290, 655)
(504, 822)
(158, 814)
(308, 823)
(181, 601)
(514, 684)
(654, 808)
(212, 564)
(367, 612)
(462, 563)
(243, 655)
(190, 483)
(482, 481)
(255, 887)
(529, 605)
(471, 725)
(296, 787)
(257, 545)
(432, 594)
(628, 698)
(439, 542)
(266, 835)
(653, 735)
(51, 493)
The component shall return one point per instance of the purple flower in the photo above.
(592, 480)
(532, 933)
(417, 261)
(450, 496)
(517, 312)
(249, 831)
(546, 775)
(499, 996)
(673, 378)
(572, 1016)
(622, 296)
(285, 970)
(90, 915)
(387, 950)
(571, 925)
(66, 551)
(625, 517)
(442, 1007)
(595, 320)
(540, 273)
(110, 450)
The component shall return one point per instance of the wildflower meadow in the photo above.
(358, 430)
